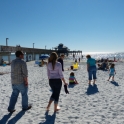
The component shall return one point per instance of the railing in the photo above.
(24, 49)
(12, 49)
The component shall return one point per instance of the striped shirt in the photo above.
(18, 71)
(71, 79)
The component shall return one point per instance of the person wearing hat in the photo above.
(19, 80)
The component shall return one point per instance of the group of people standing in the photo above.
(91, 68)
(19, 79)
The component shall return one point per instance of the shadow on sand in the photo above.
(92, 89)
(5, 118)
(13, 120)
(16, 118)
(50, 119)
(114, 83)
(71, 85)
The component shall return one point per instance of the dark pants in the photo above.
(92, 72)
(55, 85)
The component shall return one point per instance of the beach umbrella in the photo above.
(44, 56)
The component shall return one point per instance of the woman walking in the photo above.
(55, 76)
(91, 68)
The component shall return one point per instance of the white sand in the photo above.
(103, 104)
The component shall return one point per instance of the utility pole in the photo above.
(33, 45)
(33, 52)
(7, 41)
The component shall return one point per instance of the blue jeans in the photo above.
(92, 72)
(17, 88)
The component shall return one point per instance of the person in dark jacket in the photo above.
(61, 61)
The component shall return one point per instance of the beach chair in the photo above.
(36, 63)
(4, 65)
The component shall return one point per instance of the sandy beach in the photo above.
(102, 103)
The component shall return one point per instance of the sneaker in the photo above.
(29, 107)
(11, 111)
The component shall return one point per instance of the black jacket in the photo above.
(61, 61)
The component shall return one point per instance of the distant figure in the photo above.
(75, 60)
(2, 61)
(55, 76)
(91, 68)
(102, 59)
(19, 80)
(115, 59)
(103, 66)
(82, 56)
(73, 56)
(112, 72)
(60, 59)
(26, 58)
(30, 58)
(72, 79)
(42, 63)
(79, 59)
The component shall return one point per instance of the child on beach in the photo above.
(79, 60)
(72, 79)
(112, 72)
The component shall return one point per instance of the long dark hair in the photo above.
(53, 58)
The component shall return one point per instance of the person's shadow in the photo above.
(114, 83)
(16, 118)
(71, 85)
(92, 89)
(51, 90)
(5, 118)
(50, 119)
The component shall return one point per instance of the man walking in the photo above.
(61, 61)
(19, 80)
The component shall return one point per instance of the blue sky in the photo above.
(87, 25)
